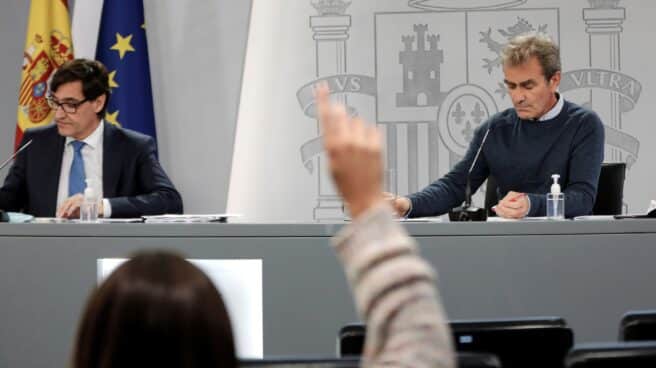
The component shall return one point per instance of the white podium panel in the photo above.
(240, 284)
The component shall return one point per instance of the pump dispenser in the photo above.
(89, 206)
(555, 200)
(555, 187)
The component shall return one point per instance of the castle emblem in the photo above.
(421, 69)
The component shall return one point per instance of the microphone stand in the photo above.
(467, 212)
(4, 217)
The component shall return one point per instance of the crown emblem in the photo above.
(331, 7)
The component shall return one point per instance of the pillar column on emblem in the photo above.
(330, 31)
(604, 27)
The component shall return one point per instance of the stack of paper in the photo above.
(536, 218)
(422, 219)
(166, 219)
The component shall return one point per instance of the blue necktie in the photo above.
(76, 178)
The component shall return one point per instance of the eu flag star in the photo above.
(112, 118)
(122, 45)
(112, 80)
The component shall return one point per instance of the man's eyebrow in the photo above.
(527, 82)
(523, 83)
(65, 99)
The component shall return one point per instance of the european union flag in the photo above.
(123, 48)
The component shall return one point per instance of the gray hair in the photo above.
(523, 47)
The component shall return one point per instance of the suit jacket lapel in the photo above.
(111, 161)
(53, 172)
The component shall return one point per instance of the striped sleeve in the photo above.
(394, 290)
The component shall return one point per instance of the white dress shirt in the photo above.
(558, 107)
(92, 154)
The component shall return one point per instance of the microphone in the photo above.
(467, 212)
(3, 215)
(7, 161)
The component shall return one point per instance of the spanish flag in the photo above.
(47, 46)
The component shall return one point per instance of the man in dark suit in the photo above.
(49, 177)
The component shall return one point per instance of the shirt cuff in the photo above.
(407, 213)
(107, 208)
(528, 199)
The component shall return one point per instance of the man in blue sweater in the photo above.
(540, 136)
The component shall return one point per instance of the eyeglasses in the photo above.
(69, 107)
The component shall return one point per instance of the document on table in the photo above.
(166, 219)
(110, 220)
(19, 217)
(60, 220)
(595, 218)
(409, 220)
(525, 219)
(422, 219)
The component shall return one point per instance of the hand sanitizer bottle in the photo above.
(555, 201)
(89, 207)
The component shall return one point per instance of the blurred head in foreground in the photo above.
(155, 310)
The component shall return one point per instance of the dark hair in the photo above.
(155, 310)
(92, 74)
(523, 47)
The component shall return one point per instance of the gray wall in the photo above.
(197, 50)
(13, 23)
(197, 55)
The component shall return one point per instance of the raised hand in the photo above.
(354, 150)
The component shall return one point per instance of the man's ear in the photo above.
(99, 103)
(555, 80)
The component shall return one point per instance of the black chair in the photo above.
(465, 360)
(350, 340)
(613, 355)
(610, 191)
(524, 342)
(535, 342)
(638, 326)
(477, 360)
